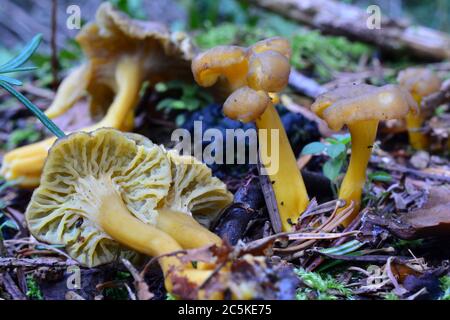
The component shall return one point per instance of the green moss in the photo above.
(324, 55)
(319, 54)
(445, 286)
(170, 296)
(34, 292)
(320, 287)
(119, 292)
(390, 296)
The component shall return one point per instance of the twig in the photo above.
(36, 91)
(417, 173)
(11, 287)
(322, 208)
(269, 196)
(321, 235)
(398, 289)
(353, 225)
(155, 259)
(370, 259)
(71, 295)
(33, 242)
(305, 85)
(11, 263)
(418, 293)
(55, 63)
(141, 287)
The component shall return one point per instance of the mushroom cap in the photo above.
(349, 104)
(419, 81)
(246, 104)
(221, 61)
(268, 71)
(161, 54)
(194, 190)
(345, 91)
(80, 171)
(278, 44)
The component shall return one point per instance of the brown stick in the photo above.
(11, 287)
(11, 263)
(55, 64)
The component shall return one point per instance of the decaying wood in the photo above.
(11, 287)
(338, 18)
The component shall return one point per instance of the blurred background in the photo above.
(212, 23)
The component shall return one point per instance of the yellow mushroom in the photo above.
(361, 107)
(99, 197)
(254, 76)
(420, 82)
(121, 55)
(194, 190)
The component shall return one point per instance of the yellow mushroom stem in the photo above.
(414, 122)
(363, 135)
(185, 230)
(26, 163)
(115, 219)
(289, 188)
(70, 90)
(129, 81)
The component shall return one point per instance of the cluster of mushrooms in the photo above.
(254, 76)
(104, 193)
(109, 194)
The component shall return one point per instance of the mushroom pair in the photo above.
(361, 107)
(105, 192)
(420, 82)
(121, 54)
(254, 76)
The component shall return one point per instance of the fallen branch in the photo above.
(365, 259)
(339, 18)
(11, 287)
(417, 173)
(11, 263)
(304, 85)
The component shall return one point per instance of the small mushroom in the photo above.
(100, 193)
(420, 82)
(122, 54)
(254, 76)
(277, 44)
(222, 62)
(361, 107)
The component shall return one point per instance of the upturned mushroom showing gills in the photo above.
(121, 55)
(100, 195)
(254, 77)
(361, 107)
(420, 82)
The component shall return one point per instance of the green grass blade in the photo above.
(20, 69)
(346, 248)
(23, 56)
(11, 81)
